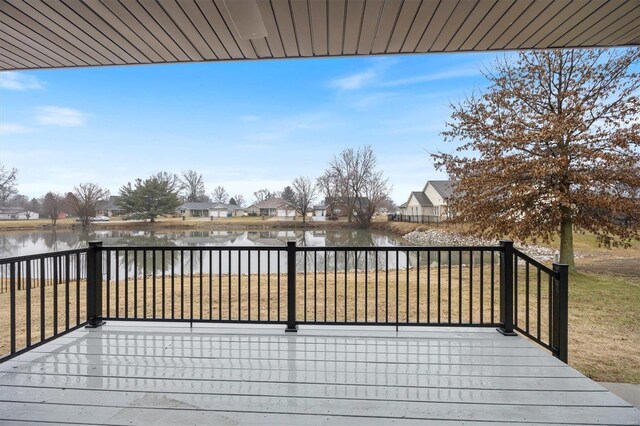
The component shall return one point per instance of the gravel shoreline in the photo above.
(436, 237)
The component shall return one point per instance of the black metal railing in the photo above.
(43, 297)
(492, 286)
(418, 218)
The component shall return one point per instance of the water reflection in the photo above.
(33, 242)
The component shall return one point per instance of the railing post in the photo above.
(292, 326)
(94, 284)
(506, 288)
(561, 311)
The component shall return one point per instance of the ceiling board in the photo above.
(69, 33)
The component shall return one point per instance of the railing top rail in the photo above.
(7, 260)
(194, 248)
(400, 248)
(534, 262)
(306, 248)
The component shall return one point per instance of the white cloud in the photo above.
(13, 129)
(12, 80)
(61, 116)
(468, 71)
(363, 78)
(354, 81)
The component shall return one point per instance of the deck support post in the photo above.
(560, 311)
(506, 288)
(292, 325)
(94, 284)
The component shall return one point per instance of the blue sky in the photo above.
(245, 125)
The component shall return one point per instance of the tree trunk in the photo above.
(566, 239)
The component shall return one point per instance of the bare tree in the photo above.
(52, 206)
(192, 187)
(304, 192)
(264, 194)
(83, 201)
(553, 137)
(327, 186)
(239, 199)
(219, 195)
(8, 188)
(354, 179)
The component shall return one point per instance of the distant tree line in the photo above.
(352, 177)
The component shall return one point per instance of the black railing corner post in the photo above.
(94, 284)
(506, 288)
(560, 312)
(292, 325)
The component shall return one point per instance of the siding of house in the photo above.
(440, 204)
(415, 209)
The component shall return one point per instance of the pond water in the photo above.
(141, 261)
(32, 242)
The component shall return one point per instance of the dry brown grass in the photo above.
(603, 329)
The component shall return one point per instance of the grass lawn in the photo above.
(604, 326)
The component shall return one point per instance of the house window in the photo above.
(436, 210)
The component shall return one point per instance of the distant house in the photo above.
(225, 210)
(109, 207)
(275, 206)
(419, 204)
(439, 192)
(320, 210)
(429, 205)
(17, 213)
(211, 210)
(402, 209)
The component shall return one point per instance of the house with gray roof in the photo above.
(439, 192)
(419, 204)
(274, 206)
(109, 207)
(429, 205)
(210, 209)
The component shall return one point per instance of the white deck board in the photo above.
(174, 374)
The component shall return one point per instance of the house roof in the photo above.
(209, 206)
(103, 32)
(403, 205)
(12, 209)
(443, 187)
(222, 206)
(270, 203)
(110, 204)
(196, 206)
(421, 198)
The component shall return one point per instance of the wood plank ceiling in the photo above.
(73, 33)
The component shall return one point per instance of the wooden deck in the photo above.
(151, 373)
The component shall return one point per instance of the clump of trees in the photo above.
(152, 197)
(353, 179)
(83, 200)
(555, 148)
(192, 187)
